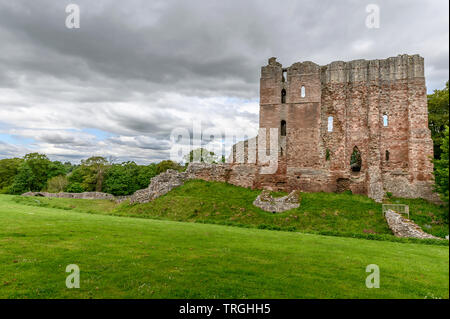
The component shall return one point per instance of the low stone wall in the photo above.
(236, 174)
(279, 204)
(159, 185)
(85, 195)
(403, 227)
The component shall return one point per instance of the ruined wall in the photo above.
(85, 195)
(357, 95)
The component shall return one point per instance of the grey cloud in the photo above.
(121, 70)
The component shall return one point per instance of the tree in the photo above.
(121, 179)
(57, 184)
(74, 187)
(9, 167)
(90, 174)
(441, 169)
(145, 175)
(39, 165)
(438, 117)
(163, 166)
(201, 155)
(33, 173)
(23, 181)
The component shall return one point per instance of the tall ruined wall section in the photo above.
(359, 96)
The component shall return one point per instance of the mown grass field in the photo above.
(220, 203)
(147, 258)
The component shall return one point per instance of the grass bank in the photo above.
(146, 258)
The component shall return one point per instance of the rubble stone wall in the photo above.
(403, 227)
(357, 97)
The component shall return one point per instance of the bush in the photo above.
(74, 187)
(165, 165)
(57, 184)
(441, 172)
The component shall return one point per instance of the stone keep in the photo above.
(375, 109)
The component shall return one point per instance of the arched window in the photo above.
(385, 120)
(355, 160)
(303, 91)
(330, 124)
(283, 96)
(387, 155)
(283, 128)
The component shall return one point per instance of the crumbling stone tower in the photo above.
(359, 125)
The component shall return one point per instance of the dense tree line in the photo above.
(438, 122)
(36, 172)
(438, 109)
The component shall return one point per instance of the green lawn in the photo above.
(147, 258)
(221, 203)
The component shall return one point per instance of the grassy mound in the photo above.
(221, 203)
(138, 258)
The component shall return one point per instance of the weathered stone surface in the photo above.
(356, 95)
(159, 185)
(278, 204)
(85, 195)
(403, 227)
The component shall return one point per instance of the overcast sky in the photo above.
(135, 70)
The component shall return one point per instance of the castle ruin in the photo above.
(359, 125)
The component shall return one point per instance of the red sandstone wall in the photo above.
(356, 94)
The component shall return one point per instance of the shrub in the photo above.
(74, 187)
(57, 184)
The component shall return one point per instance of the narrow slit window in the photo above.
(330, 124)
(385, 120)
(387, 155)
(303, 91)
(283, 96)
(284, 78)
(283, 128)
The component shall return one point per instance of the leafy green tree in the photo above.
(74, 187)
(145, 175)
(441, 169)
(40, 167)
(438, 118)
(121, 179)
(24, 180)
(9, 167)
(90, 174)
(167, 164)
(201, 155)
(57, 184)
(128, 177)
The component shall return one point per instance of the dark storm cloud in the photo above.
(145, 67)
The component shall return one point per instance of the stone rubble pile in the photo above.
(403, 227)
(278, 204)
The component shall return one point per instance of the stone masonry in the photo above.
(278, 204)
(324, 114)
(85, 195)
(403, 227)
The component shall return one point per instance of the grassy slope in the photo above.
(137, 258)
(221, 203)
